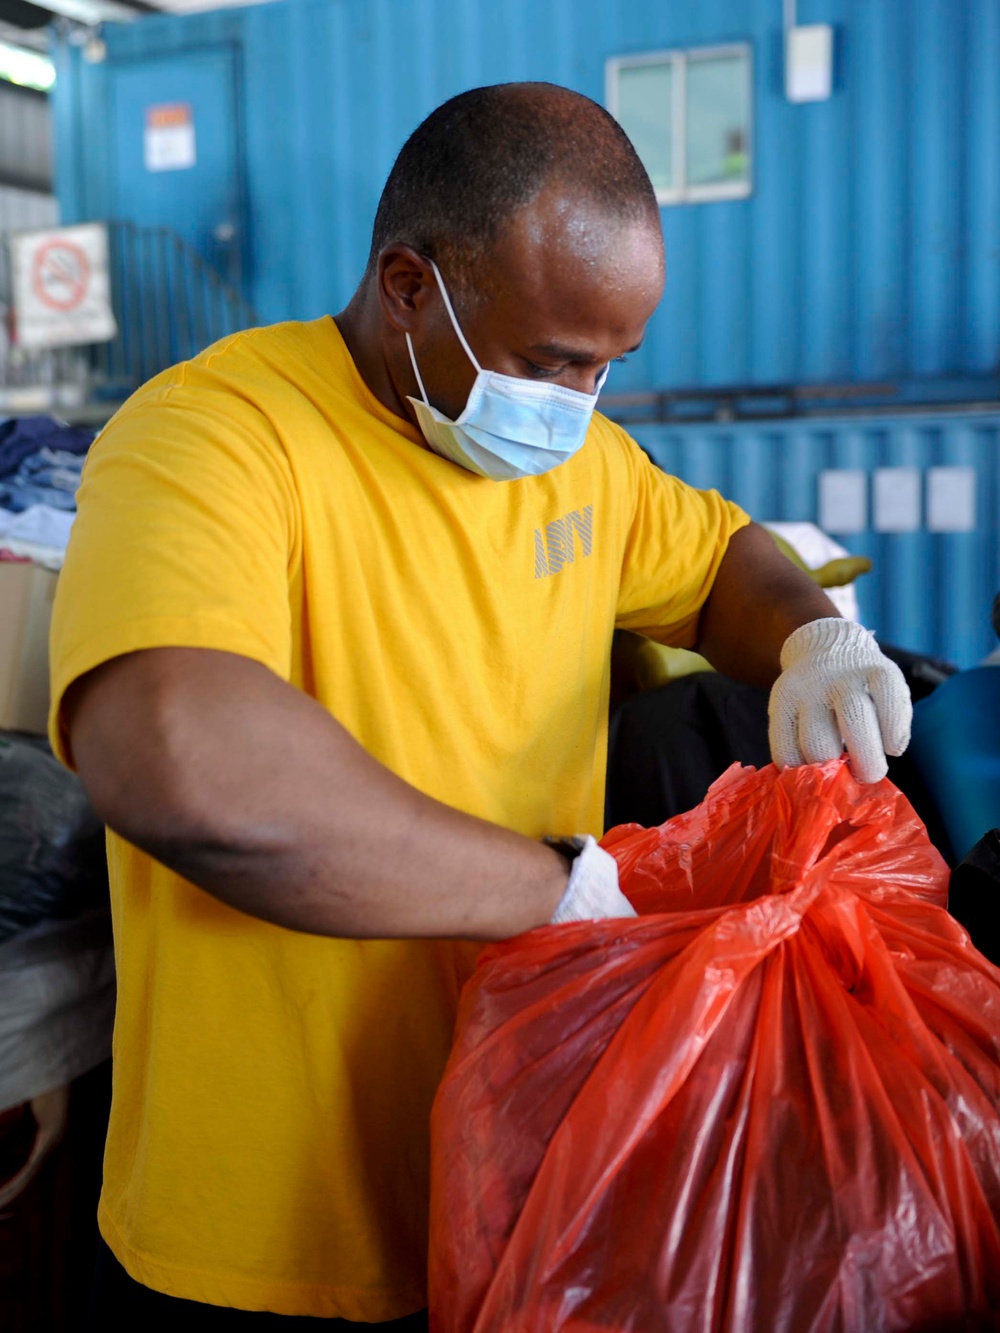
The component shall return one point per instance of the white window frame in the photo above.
(679, 58)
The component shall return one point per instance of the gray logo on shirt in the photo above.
(558, 545)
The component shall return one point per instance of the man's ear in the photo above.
(405, 283)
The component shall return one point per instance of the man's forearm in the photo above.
(252, 791)
(758, 599)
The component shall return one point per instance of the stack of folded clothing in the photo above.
(47, 477)
(41, 460)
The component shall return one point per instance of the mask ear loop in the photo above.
(413, 363)
(454, 322)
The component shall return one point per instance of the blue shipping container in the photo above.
(869, 248)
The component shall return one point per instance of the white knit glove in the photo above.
(837, 688)
(592, 892)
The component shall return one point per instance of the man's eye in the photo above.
(541, 372)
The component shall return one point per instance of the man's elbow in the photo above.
(149, 776)
(152, 801)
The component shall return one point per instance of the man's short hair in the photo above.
(484, 154)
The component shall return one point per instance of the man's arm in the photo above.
(251, 790)
(766, 622)
(757, 600)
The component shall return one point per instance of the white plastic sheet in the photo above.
(57, 1005)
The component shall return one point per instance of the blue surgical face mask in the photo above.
(510, 427)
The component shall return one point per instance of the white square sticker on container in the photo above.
(896, 499)
(843, 500)
(951, 499)
(168, 139)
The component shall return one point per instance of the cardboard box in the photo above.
(26, 593)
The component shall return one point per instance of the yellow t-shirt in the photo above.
(268, 1141)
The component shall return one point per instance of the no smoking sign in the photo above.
(62, 292)
(61, 275)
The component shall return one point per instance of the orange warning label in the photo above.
(167, 115)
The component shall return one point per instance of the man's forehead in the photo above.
(561, 227)
(575, 279)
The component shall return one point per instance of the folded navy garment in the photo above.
(20, 437)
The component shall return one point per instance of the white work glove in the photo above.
(592, 892)
(837, 688)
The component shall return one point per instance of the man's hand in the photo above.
(836, 687)
(765, 616)
(592, 893)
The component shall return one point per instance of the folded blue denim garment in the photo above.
(48, 476)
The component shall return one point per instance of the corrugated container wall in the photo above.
(25, 140)
(869, 248)
(26, 199)
(929, 590)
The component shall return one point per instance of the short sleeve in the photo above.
(676, 541)
(185, 535)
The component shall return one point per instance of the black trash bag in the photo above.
(53, 864)
(973, 895)
(668, 745)
(923, 674)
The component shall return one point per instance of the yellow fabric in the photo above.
(836, 573)
(637, 664)
(268, 1141)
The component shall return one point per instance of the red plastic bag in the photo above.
(770, 1102)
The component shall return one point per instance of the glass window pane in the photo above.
(645, 113)
(718, 120)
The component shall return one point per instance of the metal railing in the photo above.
(169, 304)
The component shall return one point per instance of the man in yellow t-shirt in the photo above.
(330, 653)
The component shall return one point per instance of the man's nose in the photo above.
(584, 379)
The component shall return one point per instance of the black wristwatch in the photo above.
(568, 847)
